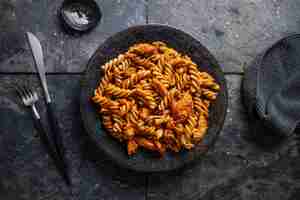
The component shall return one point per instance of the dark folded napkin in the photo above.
(271, 87)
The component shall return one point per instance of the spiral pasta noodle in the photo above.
(155, 98)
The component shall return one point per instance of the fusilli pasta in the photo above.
(155, 98)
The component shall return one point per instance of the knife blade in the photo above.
(37, 53)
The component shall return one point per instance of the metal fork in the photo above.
(29, 98)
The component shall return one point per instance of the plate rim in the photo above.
(137, 168)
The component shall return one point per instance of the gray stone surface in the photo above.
(233, 152)
(235, 31)
(26, 172)
(62, 52)
(279, 181)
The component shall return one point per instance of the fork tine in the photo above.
(20, 91)
(29, 91)
(26, 95)
(34, 94)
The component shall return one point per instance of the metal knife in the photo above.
(37, 53)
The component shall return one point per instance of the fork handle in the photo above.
(49, 147)
(35, 112)
(56, 134)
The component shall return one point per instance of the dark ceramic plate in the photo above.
(119, 43)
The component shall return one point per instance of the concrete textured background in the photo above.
(235, 31)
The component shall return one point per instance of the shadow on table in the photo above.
(99, 169)
(263, 137)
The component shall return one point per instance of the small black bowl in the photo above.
(79, 15)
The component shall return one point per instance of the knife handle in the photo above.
(44, 138)
(56, 134)
(50, 149)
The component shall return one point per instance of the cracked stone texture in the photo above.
(235, 31)
(279, 181)
(62, 52)
(233, 152)
(26, 172)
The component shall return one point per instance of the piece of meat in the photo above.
(145, 49)
(171, 124)
(144, 113)
(161, 149)
(147, 144)
(129, 131)
(161, 89)
(132, 147)
(182, 108)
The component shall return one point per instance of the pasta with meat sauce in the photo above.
(155, 98)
